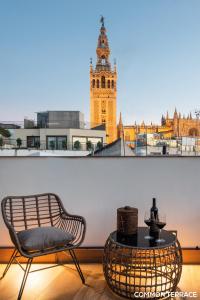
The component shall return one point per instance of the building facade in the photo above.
(177, 126)
(103, 89)
(58, 138)
(60, 119)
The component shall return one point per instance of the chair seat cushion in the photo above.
(41, 238)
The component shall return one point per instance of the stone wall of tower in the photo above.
(103, 101)
(103, 89)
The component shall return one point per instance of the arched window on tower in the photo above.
(103, 82)
(97, 83)
(108, 84)
(93, 83)
(113, 84)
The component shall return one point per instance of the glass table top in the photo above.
(138, 240)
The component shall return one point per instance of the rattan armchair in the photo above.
(21, 213)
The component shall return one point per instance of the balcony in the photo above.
(95, 188)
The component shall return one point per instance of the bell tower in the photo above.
(103, 89)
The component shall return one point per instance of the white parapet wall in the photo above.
(96, 187)
(31, 152)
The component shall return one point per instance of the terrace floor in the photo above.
(63, 283)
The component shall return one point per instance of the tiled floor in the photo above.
(63, 283)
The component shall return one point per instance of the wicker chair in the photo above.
(21, 213)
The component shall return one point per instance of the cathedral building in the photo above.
(103, 98)
(177, 126)
(103, 89)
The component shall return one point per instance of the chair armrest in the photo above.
(74, 224)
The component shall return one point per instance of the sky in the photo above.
(46, 45)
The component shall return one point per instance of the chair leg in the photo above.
(9, 263)
(75, 260)
(28, 266)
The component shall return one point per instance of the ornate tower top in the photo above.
(120, 119)
(120, 127)
(103, 51)
(163, 121)
(175, 114)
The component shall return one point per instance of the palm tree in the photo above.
(1, 142)
(77, 145)
(19, 142)
(89, 146)
(99, 145)
(5, 132)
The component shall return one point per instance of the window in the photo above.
(108, 84)
(103, 82)
(61, 143)
(79, 143)
(33, 142)
(97, 83)
(57, 142)
(95, 140)
(113, 85)
(93, 83)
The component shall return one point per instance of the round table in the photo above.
(134, 265)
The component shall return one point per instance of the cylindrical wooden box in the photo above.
(127, 220)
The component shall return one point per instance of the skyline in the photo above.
(44, 65)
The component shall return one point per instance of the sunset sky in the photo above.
(45, 49)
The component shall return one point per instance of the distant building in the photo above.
(60, 119)
(103, 98)
(29, 123)
(175, 127)
(9, 126)
(59, 138)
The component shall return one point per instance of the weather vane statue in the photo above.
(102, 21)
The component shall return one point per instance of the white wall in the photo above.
(96, 187)
(35, 152)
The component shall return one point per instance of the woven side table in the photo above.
(133, 265)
